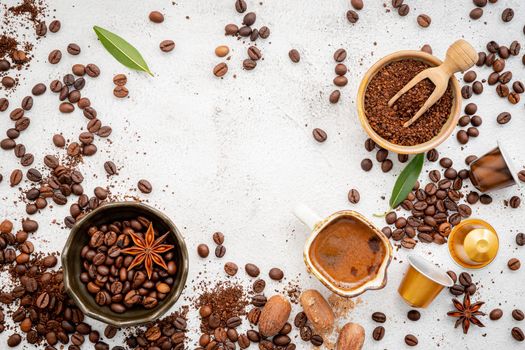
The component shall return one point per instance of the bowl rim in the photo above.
(155, 313)
(447, 128)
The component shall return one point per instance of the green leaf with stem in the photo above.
(123, 51)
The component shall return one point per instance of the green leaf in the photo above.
(123, 51)
(406, 180)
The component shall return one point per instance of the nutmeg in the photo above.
(351, 337)
(274, 315)
(317, 310)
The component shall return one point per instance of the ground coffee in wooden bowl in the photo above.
(387, 121)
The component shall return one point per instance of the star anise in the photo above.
(148, 250)
(467, 313)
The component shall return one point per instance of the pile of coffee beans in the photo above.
(167, 333)
(381, 156)
(462, 284)
(434, 207)
(246, 30)
(340, 70)
(106, 271)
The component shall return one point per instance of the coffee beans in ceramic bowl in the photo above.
(125, 264)
(384, 124)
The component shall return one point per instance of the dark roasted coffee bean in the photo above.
(413, 315)
(54, 56)
(319, 135)
(514, 264)
(220, 70)
(507, 15)
(379, 317)
(378, 333)
(249, 64)
(476, 13)
(496, 314)
(218, 238)
(276, 274)
(73, 49)
(465, 279)
(294, 55)
(54, 26)
(424, 20)
(258, 286)
(220, 251)
(353, 196)
(144, 186)
(340, 56)
(352, 16)
(520, 239)
(403, 10)
(27, 103)
(516, 332)
(366, 164)
(334, 96)
(397, 3)
(16, 177)
(518, 315)
(316, 340)
(231, 268)
(514, 202)
(411, 340)
(252, 270)
(92, 70)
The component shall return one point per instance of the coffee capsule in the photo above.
(473, 244)
(422, 282)
(493, 171)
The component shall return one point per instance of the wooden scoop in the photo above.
(460, 57)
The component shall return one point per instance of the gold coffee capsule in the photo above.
(473, 244)
(423, 282)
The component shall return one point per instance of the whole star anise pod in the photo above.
(148, 250)
(467, 313)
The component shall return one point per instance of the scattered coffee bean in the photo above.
(144, 186)
(353, 196)
(496, 314)
(517, 334)
(514, 264)
(156, 17)
(276, 274)
(294, 55)
(167, 45)
(379, 317)
(378, 333)
(413, 315)
(411, 340)
(518, 315)
(319, 135)
(424, 20)
(352, 16)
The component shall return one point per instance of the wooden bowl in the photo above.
(445, 131)
(72, 264)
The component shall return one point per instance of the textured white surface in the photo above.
(236, 154)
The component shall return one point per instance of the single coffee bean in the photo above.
(340, 69)
(249, 64)
(465, 279)
(516, 332)
(220, 70)
(231, 29)
(8, 82)
(168, 45)
(413, 315)
(54, 56)
(378, 333)
(264, 32)
(319, 135)
(397, 3)
(92, 70)
(54, 26)
(294, 55)
(231, 268)
(476, 13)
(427, 48)
(366, 164)
(507, 15)
(203, 250)
(27, 103)
(120, 91)
(218, 238)
(518, 87)
(357, 4)
(144, 186)
(411, 340)
(352, 16)
(156, 17)
(496, 314)
(276, 274)
(403, 10)
(340, 55)
(514, 202)
(240, 6)
(16, 177)
(379, 317)
(259, 285)
(514, 264)
(518, 315)
(340, 80)
(520, 239)
(424, 20)
(73, 49)
(252, 270)
(353, 196)
(334, 96)
(220, 251)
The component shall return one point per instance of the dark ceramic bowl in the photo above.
(72, 265)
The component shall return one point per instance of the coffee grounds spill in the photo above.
(226, 299)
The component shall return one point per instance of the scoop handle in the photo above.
(307, 215)
(460, 57)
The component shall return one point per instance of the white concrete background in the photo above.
(236, 154)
